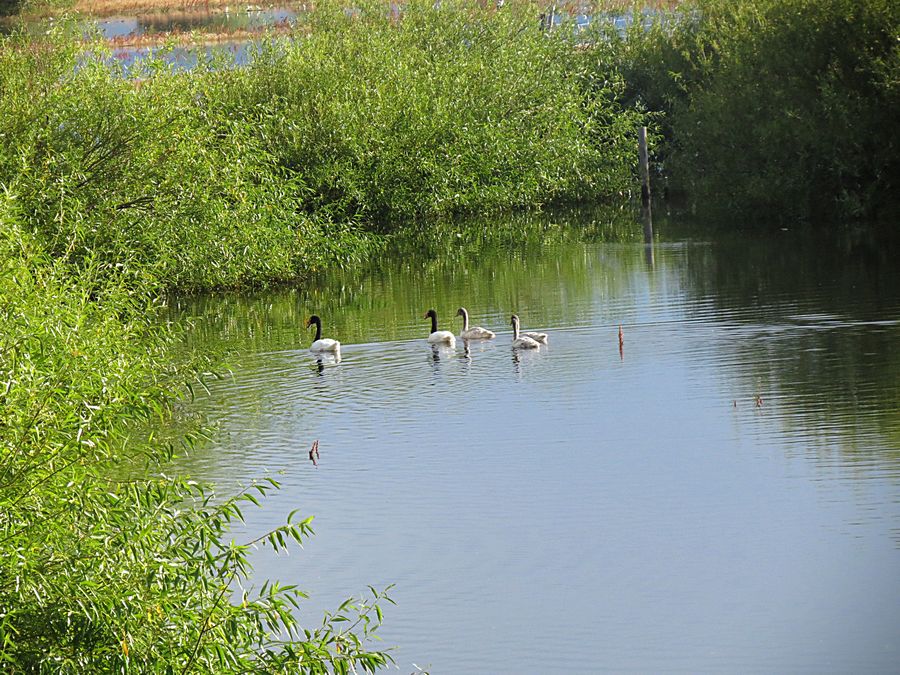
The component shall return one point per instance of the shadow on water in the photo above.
(825, 313)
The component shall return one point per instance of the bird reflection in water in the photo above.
(329, 359)
(520, 359)
(467, 354)
(439, 351)
(517, 363)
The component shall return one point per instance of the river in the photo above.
(721, 494)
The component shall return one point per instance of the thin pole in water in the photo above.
(646, 214)
(645, 166)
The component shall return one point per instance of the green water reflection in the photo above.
(818, 310)
(716, 533)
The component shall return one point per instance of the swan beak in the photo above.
(308, 324)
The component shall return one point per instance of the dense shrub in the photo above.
(775, 109)
(108, 569)
(225, 176)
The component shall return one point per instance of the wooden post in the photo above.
(645, 166)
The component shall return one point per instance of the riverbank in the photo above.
(114, 195)
(285, 167)
(104, 8)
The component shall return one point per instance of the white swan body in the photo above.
(537, 337)
(325, 345)
(475, 332)
(439, 337)
(321, 344)
(522, 341)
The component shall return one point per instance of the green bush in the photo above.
(775, 109)
(226, 176)
(114, 191)
(439, 112)
(106, 570)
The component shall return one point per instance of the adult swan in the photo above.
(321, 344)
(439, 337)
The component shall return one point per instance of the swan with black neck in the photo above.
(439, 337)
(321, 344)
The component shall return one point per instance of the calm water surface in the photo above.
(721, 496)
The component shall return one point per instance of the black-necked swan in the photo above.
(522, 341)
(321, 344)
(475, 332)
(439, 337)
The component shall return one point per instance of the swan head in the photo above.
(461, 312)
(314, 320)
(514, 320)
(430, 314)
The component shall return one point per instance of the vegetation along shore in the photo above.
(117, 189)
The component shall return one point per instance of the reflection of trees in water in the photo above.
(814, 318)
(495, 264)
(798, 310)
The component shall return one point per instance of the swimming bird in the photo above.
(522, 342)
(537, 337)
(439, 337)
(475, 332)
(321, 344)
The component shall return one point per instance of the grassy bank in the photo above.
(114, 192)
(774, 110)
